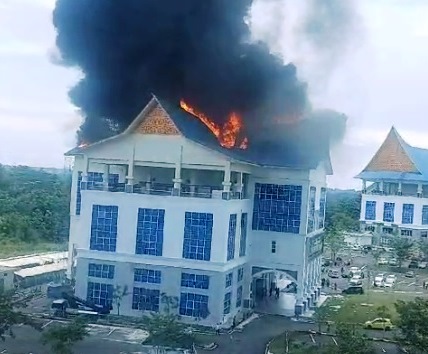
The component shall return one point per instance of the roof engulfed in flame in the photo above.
(226, 135)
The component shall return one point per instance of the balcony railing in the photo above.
(167, 189)
(402, 194)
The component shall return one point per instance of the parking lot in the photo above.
(403, 284)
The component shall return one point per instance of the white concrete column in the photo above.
(240, 187)
(106, 173)
(177, 175)
(226, 181)
(364, 185)
(130, 177)
(381, 186)
(399, 190)
(420, 189)
(84, 183)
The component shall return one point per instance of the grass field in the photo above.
(12, 249)
(361, 308)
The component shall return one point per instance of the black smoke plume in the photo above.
(198, 50)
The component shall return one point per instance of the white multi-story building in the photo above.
(163, 209)
(396, 201)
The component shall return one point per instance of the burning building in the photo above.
(177, 204)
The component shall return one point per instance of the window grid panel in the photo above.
(273, 247)
(388, 212)
(370, 210)
(425, 215)
(323, 201)
(239, 297)
(149, 276)
(243, 240)
(105, 271)
(197, 236)
(104, 228)
(227, 303)
(150, 229)
(100, 294)
(197, 281)
(311, 211)
(408, 212)
(240, 274)
(231, 237)
(145, 299)
(229, 279)
(277, 208)
(193, 305)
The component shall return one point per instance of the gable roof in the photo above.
(397, 160)
(289, 153)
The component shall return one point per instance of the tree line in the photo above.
(34, 205)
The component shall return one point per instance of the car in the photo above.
(410, 274)
(413, 264)
(379, 279)
(356, 280)
(356, 248)
(353, 269)
(333, 273)
(389, 281)
(382, 261)
(379, 323)
(393, 262)
(353, 290)
(422, 265)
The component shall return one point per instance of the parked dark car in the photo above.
(413, 264)
(354, 290)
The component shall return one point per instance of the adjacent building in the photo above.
(395, 191)
(163, 210)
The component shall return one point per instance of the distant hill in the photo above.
(343, 208)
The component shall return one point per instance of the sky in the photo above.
(380, 80)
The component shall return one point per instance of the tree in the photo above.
(119, 293)
(164, 328)
(335, 240)
(402, 248)
(321, 316)
(349, 342)
(423, 248)
(61, 339)
(412, 323)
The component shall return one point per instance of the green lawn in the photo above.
(361, 308)
(12, 249)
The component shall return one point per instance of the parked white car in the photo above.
(356, 280)
(382, 261)
(390, 281)
(379, 279)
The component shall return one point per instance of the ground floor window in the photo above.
(387, 230)
(100, 294)
(194, 305)
(370, 228)
(145, 299)
(406, 233)
(385, 241)
(239, 297)
(424, 233)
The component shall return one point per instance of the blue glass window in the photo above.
(388, 212)
(197, 281)
(311, 211)
(93, 179)
(370, 210)
(194, 305)
(239, 296)
(150, 227)
(229, 278)
(198, 229)
(243, 240)
(105, 271)
(227, 303)
(425, 215)
(231, 237)
(240, 273)
(104, 228)
(408, 210)
(147, 276)
(100, 294)
(323, 201)
(277, 208)
(145, 299)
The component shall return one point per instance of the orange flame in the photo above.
(226, 135)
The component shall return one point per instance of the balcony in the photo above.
(396, 189)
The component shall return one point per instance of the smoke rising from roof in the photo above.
(201, 51)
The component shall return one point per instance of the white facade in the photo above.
(164, 166)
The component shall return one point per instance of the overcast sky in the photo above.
(382, 81)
